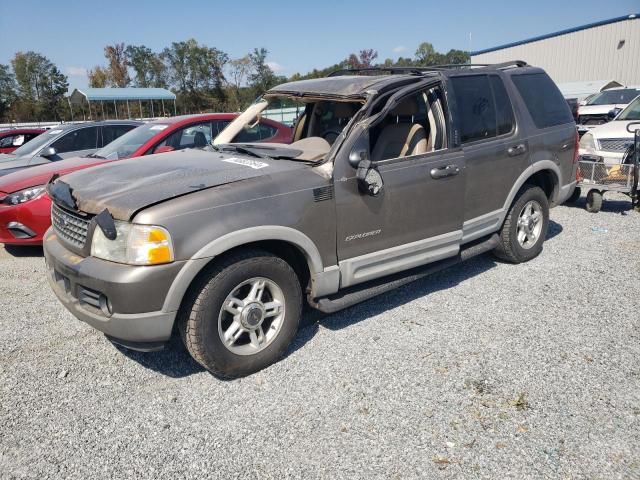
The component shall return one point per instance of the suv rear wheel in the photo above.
(243, 314)
(525, 227)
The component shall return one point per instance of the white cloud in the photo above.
(77, 71)
(399, 49)
(275, 66)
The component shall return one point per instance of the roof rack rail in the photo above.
(433, 68)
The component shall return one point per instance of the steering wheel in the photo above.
(332, 134)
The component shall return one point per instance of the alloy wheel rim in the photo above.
(530, 223)
(251, 316)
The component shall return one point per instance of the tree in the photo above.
(148, 67)
(7, 90)
(40, 84)
(196, 72)
(426, 55)
(457, 57)
(118, 72)
(98, 77)
(261, 77)
(238, 75)
(363, 60)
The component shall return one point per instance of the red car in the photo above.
(25, 208)
(12, 139)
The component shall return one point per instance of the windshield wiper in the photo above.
(93, 155)
(240, 149)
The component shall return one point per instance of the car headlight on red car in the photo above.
(22, 196)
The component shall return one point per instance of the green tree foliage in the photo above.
(204, 78)
(148, 68)
(196, 74)
(41, 86)
(117, 59)
(8, 91)
(98, 77)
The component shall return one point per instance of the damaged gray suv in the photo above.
(390, 175)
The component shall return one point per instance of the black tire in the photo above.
(509, 248)
(200, 313)
(573, 198)
(594, 201)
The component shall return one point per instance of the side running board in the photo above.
(359, 293)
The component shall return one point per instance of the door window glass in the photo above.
(414, 125)
(111, 132)
(543, 99)
(476, 110)
(6, 142)
(193, 136)
(81, 139)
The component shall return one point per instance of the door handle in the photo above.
(516, 150)
(442, 172)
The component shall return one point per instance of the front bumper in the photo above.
(609, 158)
(123, 301)
(26, 223)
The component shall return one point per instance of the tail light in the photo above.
(576, 151)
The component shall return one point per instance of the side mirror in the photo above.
(611, 114)
(49, 152)
(164, 149)
(368, 176)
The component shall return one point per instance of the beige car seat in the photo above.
(403, 138)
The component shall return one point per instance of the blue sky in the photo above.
(299, 35)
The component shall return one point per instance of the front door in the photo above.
(417, 217)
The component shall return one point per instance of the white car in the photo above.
(608, 142)
(596, 111)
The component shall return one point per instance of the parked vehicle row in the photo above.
(25, 209)
(608, 143)
(387, 176)
(604, 106)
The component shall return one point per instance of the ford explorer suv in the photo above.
(390, 175)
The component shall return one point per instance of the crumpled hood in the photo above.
(129, 186)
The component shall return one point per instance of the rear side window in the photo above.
(543, 99)
(484, 109)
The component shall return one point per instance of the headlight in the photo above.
(134, 245)
(23, 195)
(587, 142)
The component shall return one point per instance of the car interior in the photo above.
(412, 127)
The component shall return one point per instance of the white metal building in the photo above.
(609, 49)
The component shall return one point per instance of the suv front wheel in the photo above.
(243, 314)
(525, 228)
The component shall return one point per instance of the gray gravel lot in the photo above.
(487, 370)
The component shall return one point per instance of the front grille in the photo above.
(70, 226)
(615, 144)
(592, 119)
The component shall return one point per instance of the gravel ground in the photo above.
(487, 370)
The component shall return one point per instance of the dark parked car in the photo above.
(64, 141)
(390, 175)
(12, 139)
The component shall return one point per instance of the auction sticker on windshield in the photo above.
(246, 162)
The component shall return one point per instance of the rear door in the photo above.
(495, 151)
